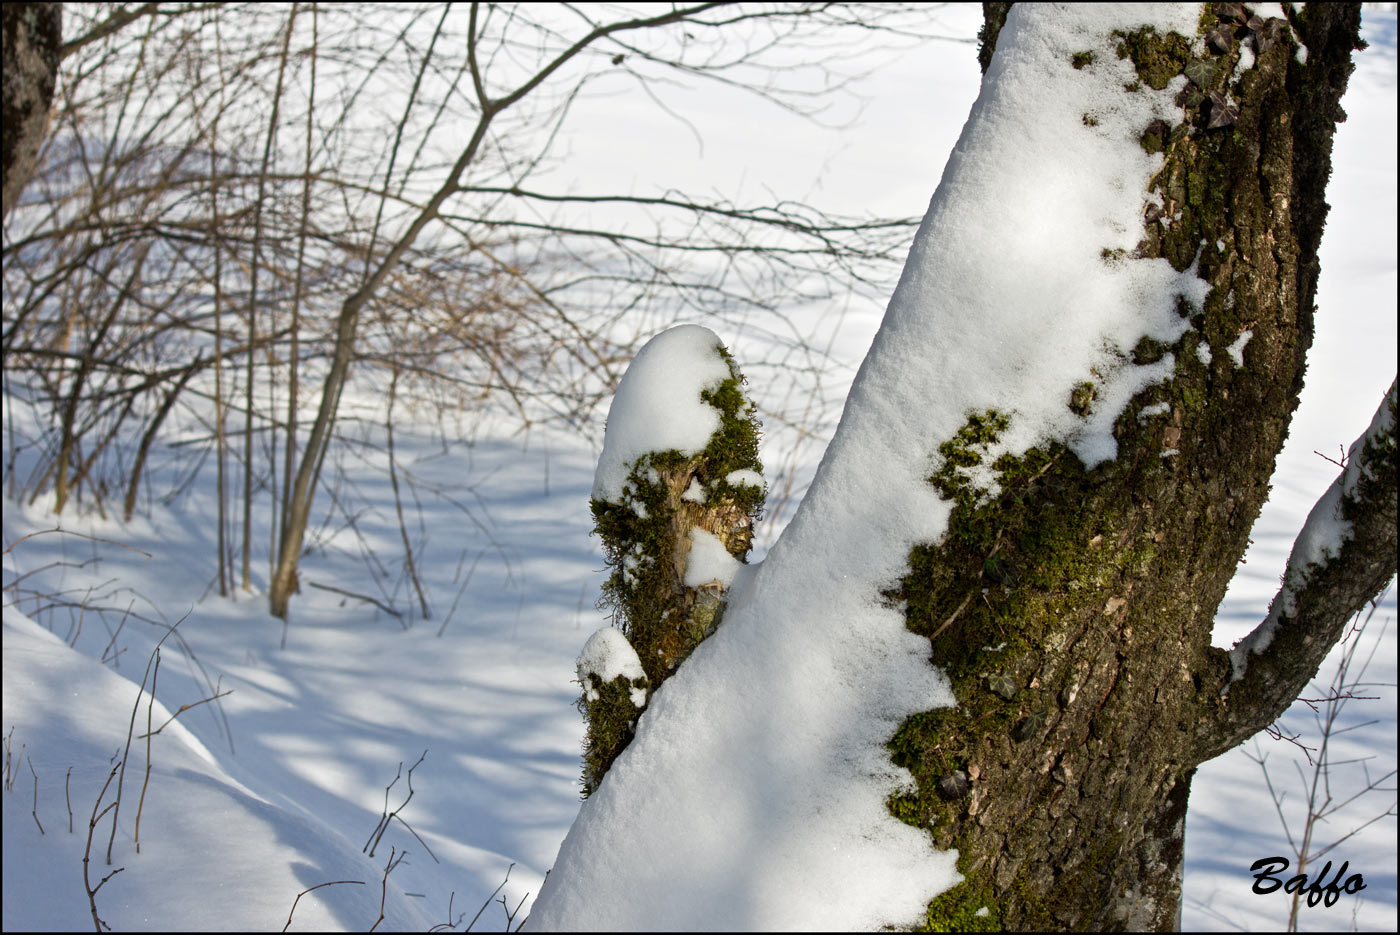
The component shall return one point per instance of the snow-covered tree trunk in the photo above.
(1046, 475)
(1080, 737)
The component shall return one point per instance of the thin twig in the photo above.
(387, 816)
(416, 837)
(12, 762)
(117, 632)
(97, 922)
(70, 532)
(131, 724)
(947, 623)
(1340, 461)
(510, 915)
(141, 804)
(35, 809)
(130, 729)
(448, 619)
(491, 897)
(449, 924)
(359, 597)
(384, 885)
(1319, 801)
(316, 887)
(185, 707)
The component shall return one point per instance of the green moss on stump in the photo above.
(646, 540)
(612, 720)
(645, 537)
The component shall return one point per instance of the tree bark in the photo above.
(1073, 615)
(32, 39)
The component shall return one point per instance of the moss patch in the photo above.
(967, 449)
(644, 536)
(1081, 399)
(612, 720)
(970, 906)
(1158, 59)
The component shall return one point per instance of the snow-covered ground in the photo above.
(278, 786)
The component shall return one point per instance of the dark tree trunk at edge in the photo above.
(32, 40)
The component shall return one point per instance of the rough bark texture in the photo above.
(31, 52)
(1073, 615)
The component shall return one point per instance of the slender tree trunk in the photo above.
(221, 447)
(220, 442)
(1063, 775)
(70, 435)
(249, 380)
(253, 312)
(276, 509)
(148, 437)
(293, 363)
(398, 499)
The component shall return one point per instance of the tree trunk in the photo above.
(32, 39)
(1073, 614)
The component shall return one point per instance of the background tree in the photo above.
(32, 37)
(238, 203)
(1069, 593)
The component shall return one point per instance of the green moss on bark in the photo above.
(1158, 59)
(994, 17)
(971, 906)
(612, 720)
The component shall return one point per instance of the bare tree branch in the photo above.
(1344, 557)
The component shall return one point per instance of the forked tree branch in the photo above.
(1322, 589)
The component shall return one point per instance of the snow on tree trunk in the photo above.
(983, 643)
(1101, 584)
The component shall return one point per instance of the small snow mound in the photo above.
(709, 561)
(744, 478)
(608, 655)
(658, 405)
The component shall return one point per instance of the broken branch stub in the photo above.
(678, 491)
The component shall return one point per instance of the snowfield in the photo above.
(753, 795)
